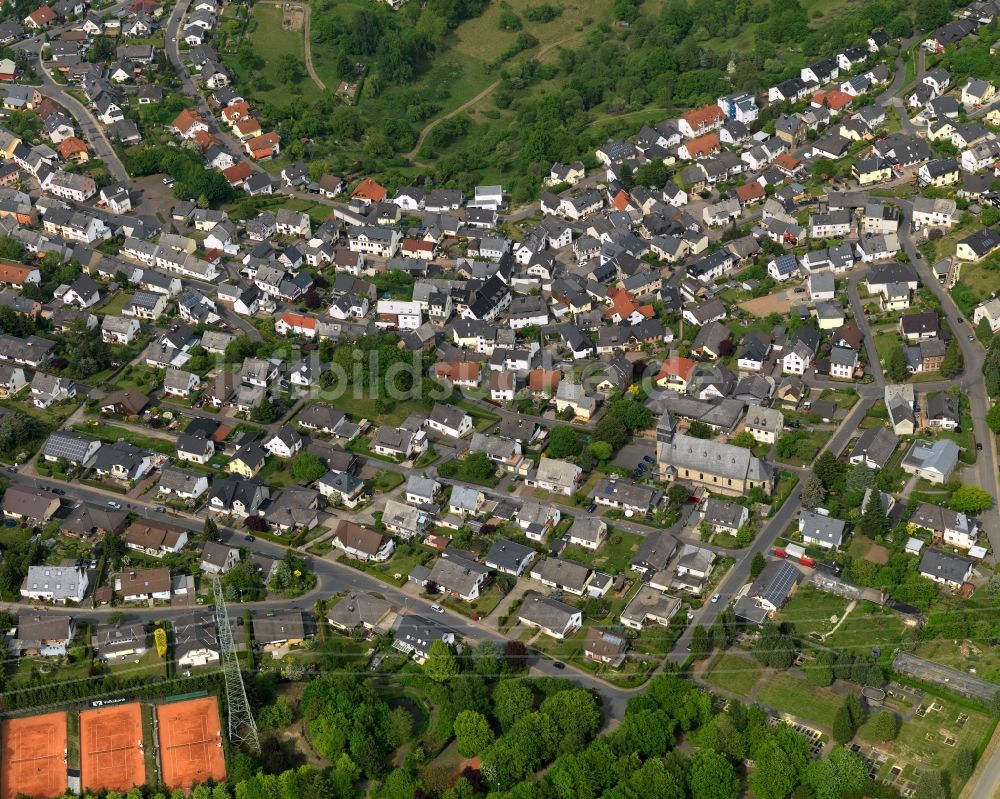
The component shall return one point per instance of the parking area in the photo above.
(631, 456)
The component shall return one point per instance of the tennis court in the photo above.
(111, 748)
(191, 742)
(33, 756)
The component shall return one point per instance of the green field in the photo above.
(797, 696)
(734, 673)
(269, 41)
(810, 610)
(111, 433)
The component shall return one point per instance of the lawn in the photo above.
(270, 42)
(885, 342)
(117, 303)
(488, 600)
(112, 433)
(386, 480)
(845, 399)
(983, 281)
(788, 693)
(278, 473)
(869, 626)
(613, 556)
(359, 408)
(811, 610)
(734, 673)
(149, 665)
(398, 567)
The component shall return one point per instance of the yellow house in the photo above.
(942, 129)
(248, 460)
(993, 117)
(872, 170)
(977, 92)
(8, 143)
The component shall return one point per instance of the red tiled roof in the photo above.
(298, 320)
(237, 172)
(705, 115)
(368, 189)
(749, 192)
(703, 145)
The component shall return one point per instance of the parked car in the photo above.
(115, 505)
(437, 608)
(979, 446)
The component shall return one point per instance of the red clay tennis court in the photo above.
(190, 742)
(111, 748)
(33, 756)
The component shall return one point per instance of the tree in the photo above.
(991, 368)
(984, 332)
(774, 776)
(307, 467)
(931, 786)
(210, 530)
(678, 494)
(932, 13)
(757, 565)
(860, 477)
(472, 733)
(828, 469)
(399, 785)
(699, 643)
(953, 362)
(563, 442)
(965, 763)
(820, 671)
(441, 664)
(512, 700)
(265, 413)
(813, 492)
(712, 777)
(601, 450)
(993, 418)
(884, 726)
(576, 716)
(744, 439)
(970, 499)
(699, 429)
(840, 774)
(874, 521)
(843, 730)
(895, 367)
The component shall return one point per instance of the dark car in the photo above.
(648, 458)
(591, 507)
(249, 538)
(559, 665)
(58, 491)
(979, 447)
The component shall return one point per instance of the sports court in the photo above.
(190, 742)
(111, 748)
(33, 756)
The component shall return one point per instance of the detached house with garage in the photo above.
(821, 529)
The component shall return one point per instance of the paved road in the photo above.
(970, 381)
(332, 577)
(92, 131)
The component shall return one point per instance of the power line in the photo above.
(242, 727)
